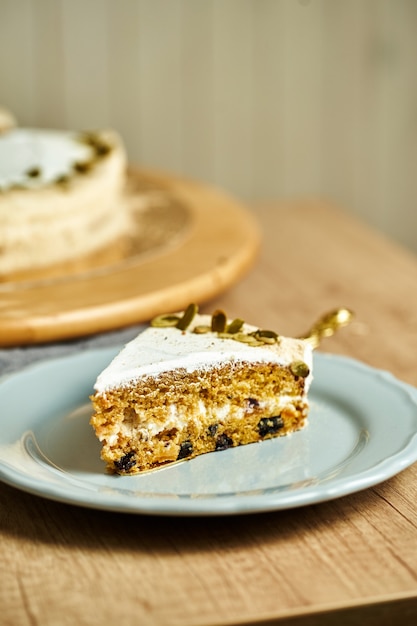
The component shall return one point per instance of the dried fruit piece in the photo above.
(126, 462)
(212, 429)
(223, 442)
(270, 425)
(186, 450)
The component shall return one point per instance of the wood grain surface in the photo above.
(348, 561)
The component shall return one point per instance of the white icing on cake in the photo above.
(52, 152)
(158, 350)
(180, 419)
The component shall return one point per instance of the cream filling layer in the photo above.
(179, 418)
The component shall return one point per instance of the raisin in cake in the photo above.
(192, 384)
(61, 195)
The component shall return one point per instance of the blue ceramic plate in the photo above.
(362, 430)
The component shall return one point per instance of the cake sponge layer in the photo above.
(180, 414)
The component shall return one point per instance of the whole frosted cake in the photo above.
(191, 384)
(61, 195)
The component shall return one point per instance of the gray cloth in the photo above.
(14, 359)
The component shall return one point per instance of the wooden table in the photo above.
(348, 561)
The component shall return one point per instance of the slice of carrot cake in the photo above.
(191, 384)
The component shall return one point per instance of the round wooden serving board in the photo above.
(190, 243)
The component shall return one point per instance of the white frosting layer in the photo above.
(158, 350)
(53, 152)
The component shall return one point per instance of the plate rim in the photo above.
(215, 504)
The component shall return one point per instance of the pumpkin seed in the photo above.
(267, 340)
(201, 330)
(249, 339)
(218, 321)
(268, 334)
(63, 181)
(188, 316)
(82, 166)
(235, 326)
(299, 368)
(102, 149)
(165, 321)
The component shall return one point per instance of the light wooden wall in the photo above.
(267, 98)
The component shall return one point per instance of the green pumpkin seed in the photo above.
(267, 334)
(165, 321)
(201, 330)
(243, 338)
(63, 181)
(299, 368)
(235, 326)
(82, 167)
(218, 322)
(102, 149)
(267, 340)
(188, 316)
